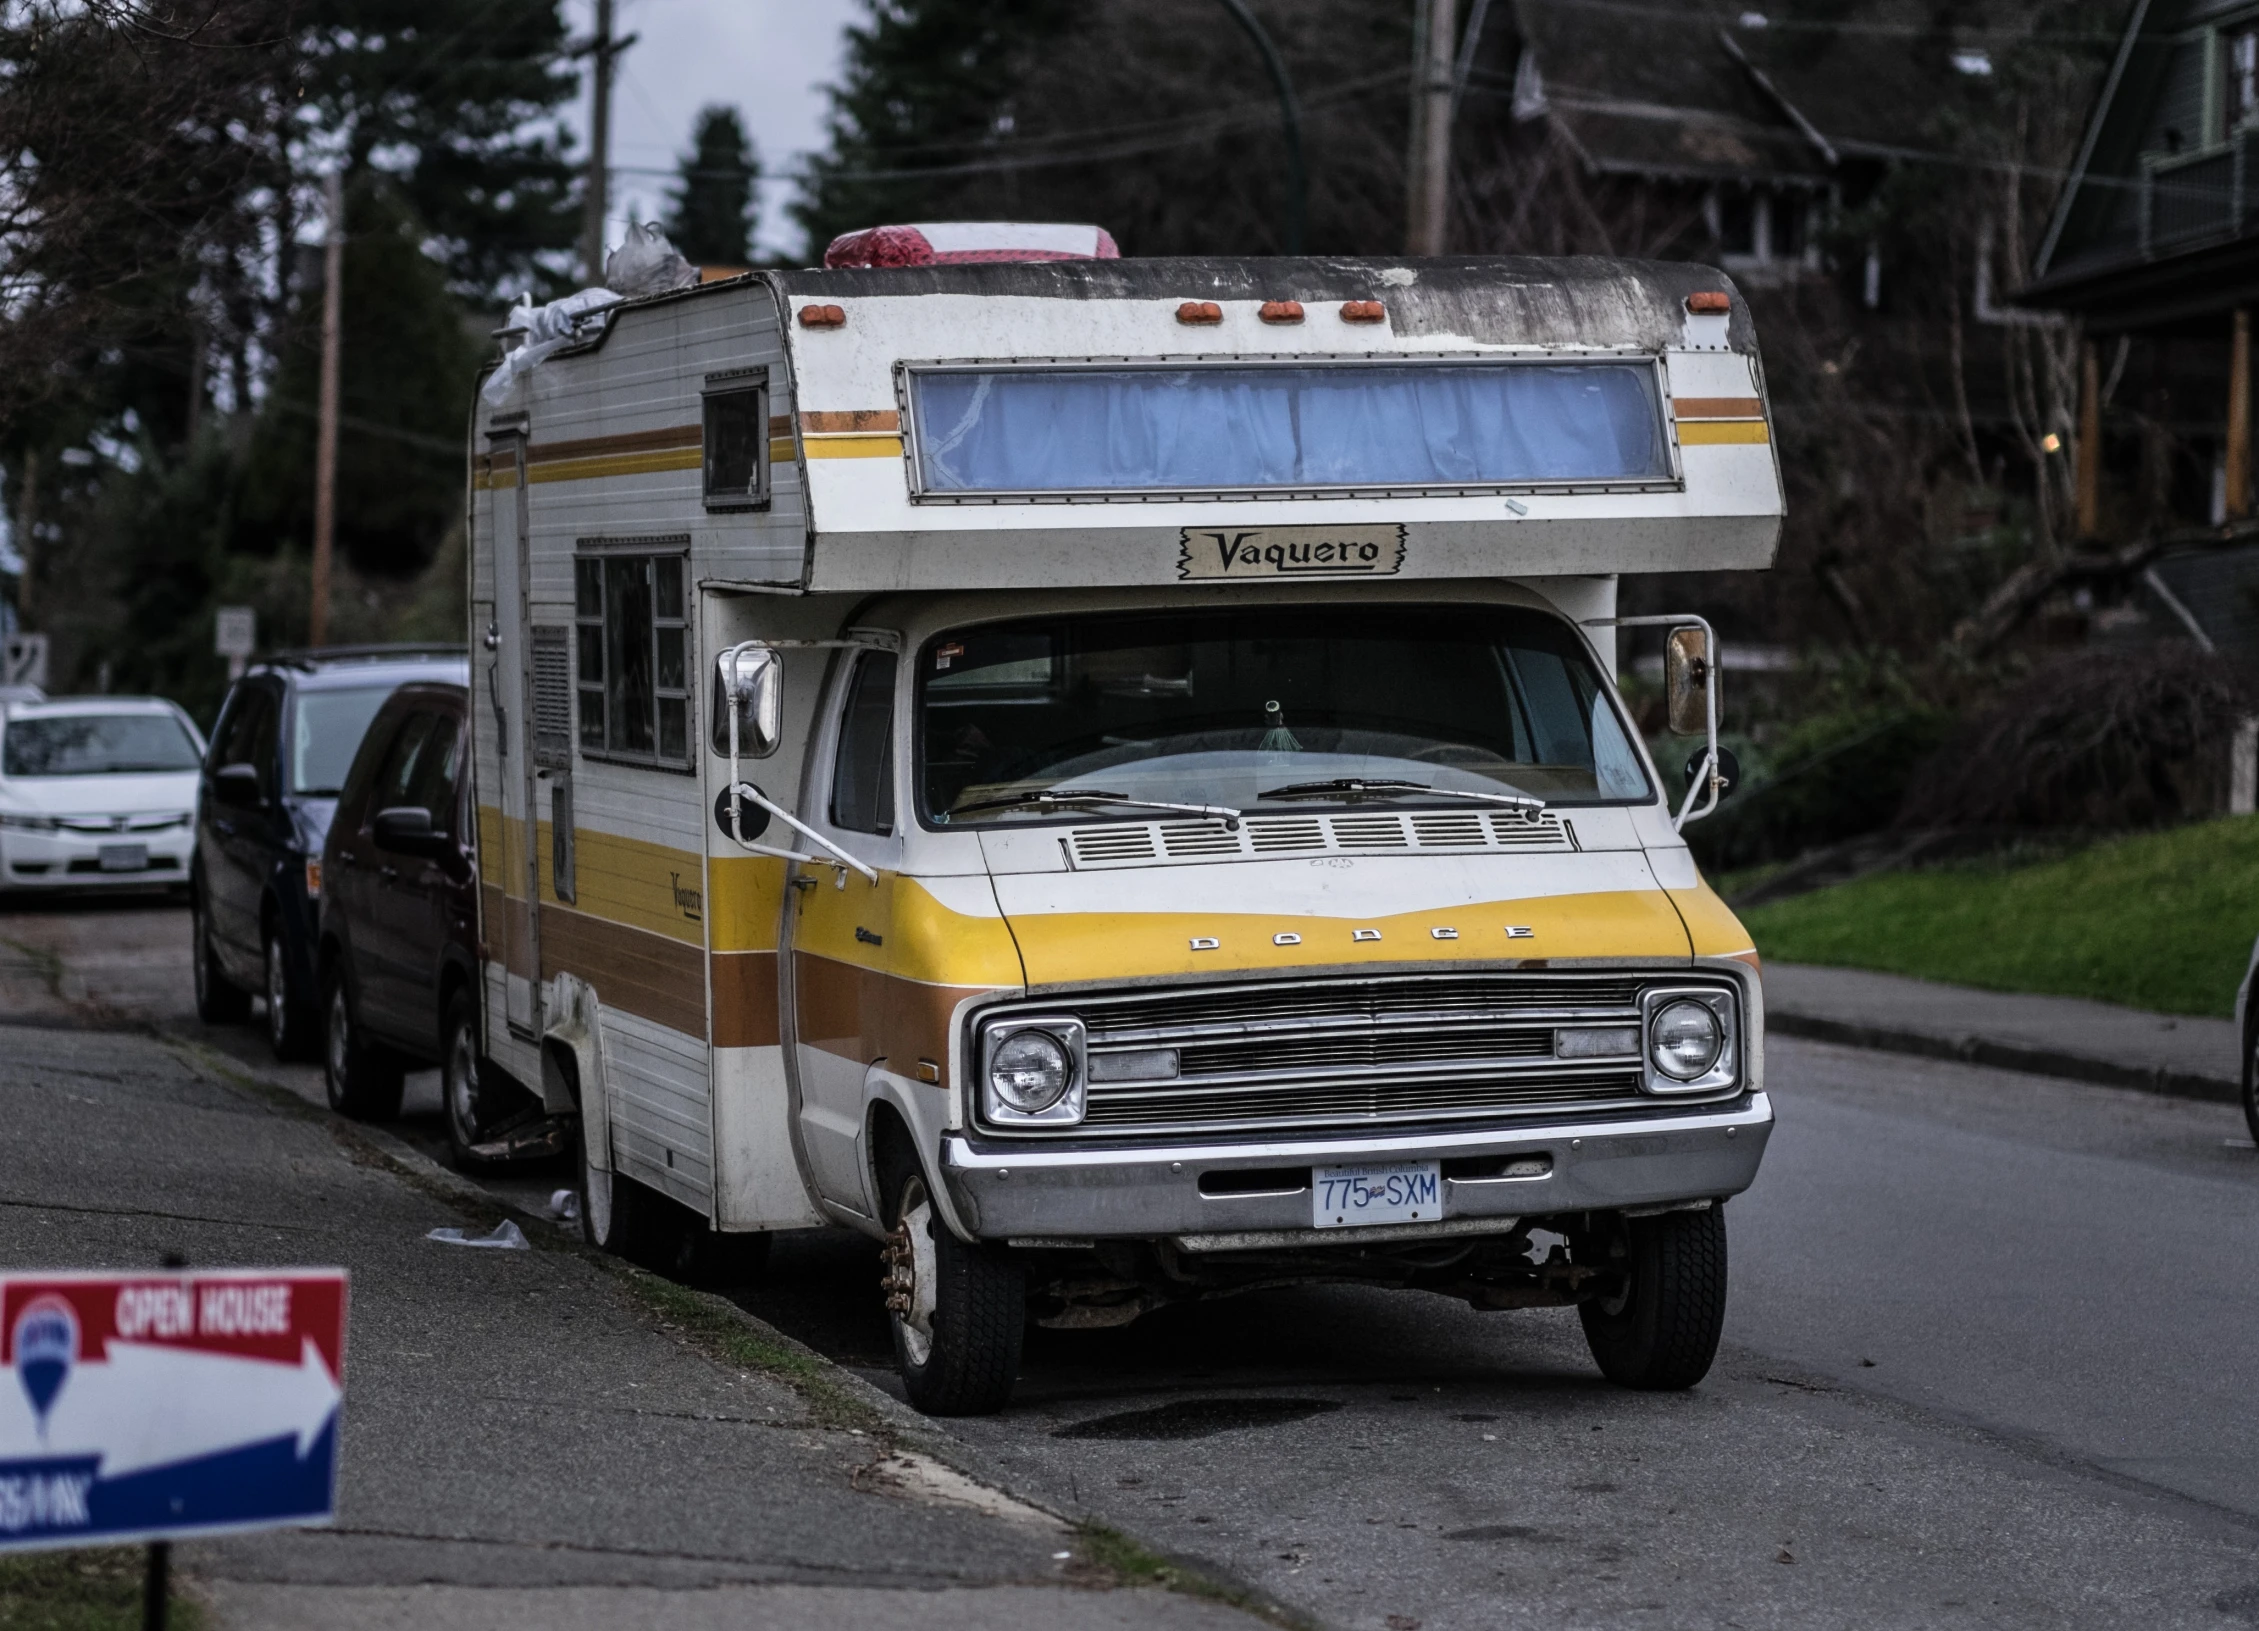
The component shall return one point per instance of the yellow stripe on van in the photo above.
(854, 447)
(1702, 431)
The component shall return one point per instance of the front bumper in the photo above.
(71, 860)
(1044, 1193)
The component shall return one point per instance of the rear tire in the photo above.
(364, 1079)
(958, 1311)
(219, 1001)
(466, 1101)
(618, 1215)
(290, 1026)
(1659, 1333)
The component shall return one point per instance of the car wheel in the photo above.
(364, 1080)
(289, 1026)
(219, 1001)
(958, 1311)
(1658, 1331)
(464, 1099)
(2251, 1079)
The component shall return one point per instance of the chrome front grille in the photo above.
(1320, 1055)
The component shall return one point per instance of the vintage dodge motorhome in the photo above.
(1107, 776)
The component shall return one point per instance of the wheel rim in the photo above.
(340, 1034)
(910, 1272)
(278, 992)
(462, 1085)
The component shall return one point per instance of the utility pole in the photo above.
(1427, 186)
(325, 437)
(595, 198)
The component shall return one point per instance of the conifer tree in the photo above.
(715, 206)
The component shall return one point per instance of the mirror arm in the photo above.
(1710, 779)
(740, 788)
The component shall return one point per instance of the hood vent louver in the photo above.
(1380, 832)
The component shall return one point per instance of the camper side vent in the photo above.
(552, 697)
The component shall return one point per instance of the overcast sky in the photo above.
(769, 59)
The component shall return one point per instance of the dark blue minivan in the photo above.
(277, 760)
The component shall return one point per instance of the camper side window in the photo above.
(631, 659)
(737, 440)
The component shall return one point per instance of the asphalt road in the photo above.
(1991, 1361)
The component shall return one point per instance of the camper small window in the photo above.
(737, 441)
(632, 658)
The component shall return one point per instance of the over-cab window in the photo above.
(1145, 430)
(632, 657)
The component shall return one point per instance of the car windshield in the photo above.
(328, 733)
(97, 745)
(1223, 707)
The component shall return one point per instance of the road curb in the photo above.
(1978, 1050)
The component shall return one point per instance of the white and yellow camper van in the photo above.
(1106, 776)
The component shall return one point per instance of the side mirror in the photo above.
(407, 830)
(1686, 681)
(237, 786)
(749, 679)
(1729, 770)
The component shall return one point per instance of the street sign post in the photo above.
(159, 1406)
(235, 635)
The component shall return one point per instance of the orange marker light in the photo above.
(1363, 311)
(823, 317)
(1200, 311)
(1281, 311)
(1709, 301)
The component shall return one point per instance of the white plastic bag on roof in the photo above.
(645, 263)
(547, 329)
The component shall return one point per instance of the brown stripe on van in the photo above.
(863, 1014)
(652, 976)
(865, 421)
(745, 1000)
(1717, 407)
(662, 440)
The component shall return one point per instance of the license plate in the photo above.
(123, 857)
(1383, 1192)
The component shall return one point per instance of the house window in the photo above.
(2239, 56)
(632, 656)
(737, 440)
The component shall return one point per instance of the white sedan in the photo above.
(97, 792)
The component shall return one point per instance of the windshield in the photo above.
(98, 745)
(328, 733)
(1221, 707)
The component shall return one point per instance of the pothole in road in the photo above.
(1198, 1418)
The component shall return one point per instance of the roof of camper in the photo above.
(1493, 300)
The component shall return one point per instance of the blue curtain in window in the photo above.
(1200, 429)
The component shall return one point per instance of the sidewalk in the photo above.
(2053, 1036)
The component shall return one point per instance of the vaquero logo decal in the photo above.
(46, 1345)
(149, 1406)
(1369, 551)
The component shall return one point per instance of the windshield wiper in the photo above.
(1351, 787)
(1093, 795)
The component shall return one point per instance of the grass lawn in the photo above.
(94, 1590)
(2163, 921)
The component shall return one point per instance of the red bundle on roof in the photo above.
(960, 243)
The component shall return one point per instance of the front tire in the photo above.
(2251, 1079)
(364, 1080)
(290, 1028)
(219, 1001)
(1659, 1332)
(958, 1311)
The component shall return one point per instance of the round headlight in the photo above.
(1030, 1071)
(1685, 1040)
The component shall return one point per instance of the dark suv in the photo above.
(278, 758)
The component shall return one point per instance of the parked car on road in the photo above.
(398, 953)
(287, 733)
(96, 792)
